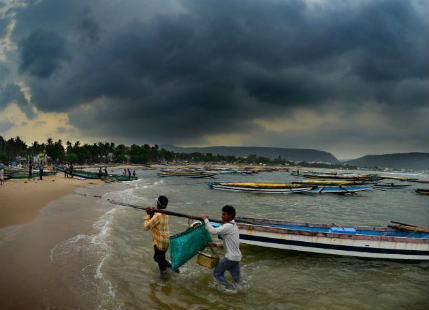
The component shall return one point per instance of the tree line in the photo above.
(105, 152)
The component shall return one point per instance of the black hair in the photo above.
(230, 210)
(162, 202)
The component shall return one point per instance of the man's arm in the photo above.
(213, 230)
(150, 222)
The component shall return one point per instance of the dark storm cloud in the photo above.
(205, 67)
(42, 53)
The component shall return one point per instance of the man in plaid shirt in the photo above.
(158, 223)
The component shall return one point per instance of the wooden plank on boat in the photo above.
(404, 226)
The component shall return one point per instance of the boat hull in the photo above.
(256, 190)
(358, 241)
(335, 246)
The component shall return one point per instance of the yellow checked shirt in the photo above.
(159, 226)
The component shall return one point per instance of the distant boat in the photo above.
(422, 191)
(402, 179)
(259, 188)
(197, 174)
(391, 185)
(405, 242)
(341, 189)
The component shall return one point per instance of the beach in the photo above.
(21, 199)
(35, 216)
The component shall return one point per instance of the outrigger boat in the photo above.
(399, 241)
(260, 188)
(402, 179)
(347, 177)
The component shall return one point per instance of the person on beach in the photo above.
(71, 170)
(105, 172)
(66, 171)
(158, 224)
(129, 174)
(100, 173)
(30, 169)
(40, 171)
(134, 173)
(231, 242)
(1, 175)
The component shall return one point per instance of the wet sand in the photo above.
(29, 278)
(21, 199)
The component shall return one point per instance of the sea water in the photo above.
(123, 274)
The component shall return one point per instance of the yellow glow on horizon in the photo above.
(40, 128)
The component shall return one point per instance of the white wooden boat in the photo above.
(359, 241)
(259, 188)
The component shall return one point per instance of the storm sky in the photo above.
(348, 77)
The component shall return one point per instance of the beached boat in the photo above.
(85, 174)
(422, 191)
(360, 241)
(118, 177)
(23, 175)
(260, 188)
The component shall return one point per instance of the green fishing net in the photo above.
(187, 244)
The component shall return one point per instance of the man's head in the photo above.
(228, 213)
(162, 202)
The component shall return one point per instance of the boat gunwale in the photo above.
(332, 235)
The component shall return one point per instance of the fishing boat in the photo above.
(391, 185)
(402, 179)
(422, 191)
(85, 174)
(260, 188)
(122, 177)
(340, 189)
(23, 175)
(329, 182)
(347, 177)
(405, 242)
(185, 174)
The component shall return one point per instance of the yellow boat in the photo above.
(263, 185)
(315, 182)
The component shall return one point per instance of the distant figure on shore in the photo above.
(40, 171)
(134, 173)
(66, 171)
(100, 173)
(30, 169)
(1, 175)
(105, 172)
(71, 170)
(129, 174)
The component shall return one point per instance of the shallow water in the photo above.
(123, 275)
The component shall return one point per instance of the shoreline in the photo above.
(22, 199)
(31, 278)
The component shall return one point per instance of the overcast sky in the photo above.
(348, 77)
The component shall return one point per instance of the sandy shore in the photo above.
(21, 199)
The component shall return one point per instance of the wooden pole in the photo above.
(163, 211)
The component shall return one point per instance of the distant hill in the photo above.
(270, 152)
(414, 161)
